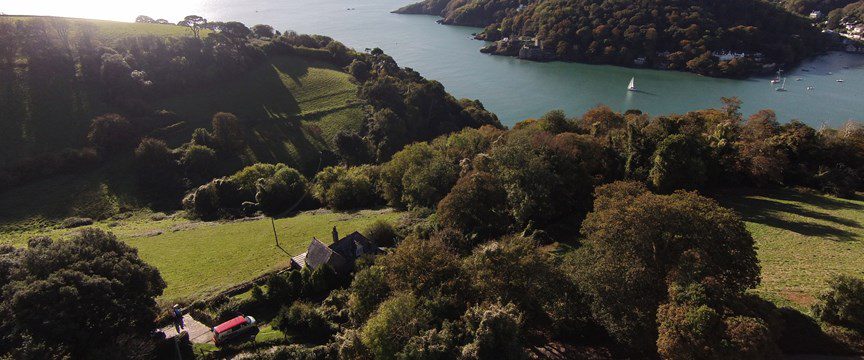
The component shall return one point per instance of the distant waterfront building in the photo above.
(640, 61)
(816, 15)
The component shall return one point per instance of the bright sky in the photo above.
(120, 10)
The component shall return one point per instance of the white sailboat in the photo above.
(782, 87)
(632, 86)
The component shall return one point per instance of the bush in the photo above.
(156, 166)
(199, 162)
(496, 330)
(678, 164)
(368, 289)
(278, 193)
(341, 188)
(418, 176)
(476, 207)
(74, 222)
(843, 303)
(64, 294)
(382, 233)
(304, 321)
(397, 320)
(248, 177)
(111, 132)
(227, 133)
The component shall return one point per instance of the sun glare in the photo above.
(171, 10)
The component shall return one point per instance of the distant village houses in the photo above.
(340, 255)
(816, 15)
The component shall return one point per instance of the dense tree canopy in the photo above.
(617, 32)
(76, 298)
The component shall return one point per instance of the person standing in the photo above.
(178, 318)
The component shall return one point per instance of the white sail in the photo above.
(632, 86)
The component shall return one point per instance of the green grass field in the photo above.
(803, 239)
(293, 108)
(108, 31)
(200, 259)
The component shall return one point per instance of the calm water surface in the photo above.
(512, 88)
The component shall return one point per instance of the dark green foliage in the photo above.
(514, 270)
(476, 207)
(547, 178)
(397, 320)
(423, 267)
(418, 176)
(199, 162)
(617, 32)
(368, 289)
(111, 133)
(157, 167)
(843, 303)
(496, 332)
(305, 322)
(352, 148)
(678, 164)
(227, 132)
(658, 240)
(280, 192)
(359, 70)
(341, 188)
(263, 31)
(690, 329)
(381, 233)
(62, 295)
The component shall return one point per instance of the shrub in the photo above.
(476, 206)
(248, 177)
(111, 132)
(227, 133)
(60, 296)
(496, 330)
(74, 222)
(368, 289)
(156, 166)
(382, 233)
(843, 303)
(678, 164)
(341, 188)
(304, 321)
(352, 148)
(417, 176)
(199, 162)
(397, 320)
(280, 192)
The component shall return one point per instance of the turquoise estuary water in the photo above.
(512, 88)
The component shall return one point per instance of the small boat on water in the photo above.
(632, 86)
(811, 88)
(839, 80)
(799, 79)
(776, 79)
(782, 88)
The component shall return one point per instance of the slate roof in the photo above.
(347, 246)
(318, 254)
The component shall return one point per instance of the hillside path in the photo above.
(198, 332)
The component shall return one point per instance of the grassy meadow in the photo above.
(803, 238)
(106, 31)
(200, 259)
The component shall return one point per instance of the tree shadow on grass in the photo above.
(777, 214)
(823, 202)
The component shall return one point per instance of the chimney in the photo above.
(335, 235)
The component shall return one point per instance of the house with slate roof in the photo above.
(340, 255)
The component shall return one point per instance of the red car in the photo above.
(238, 328)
